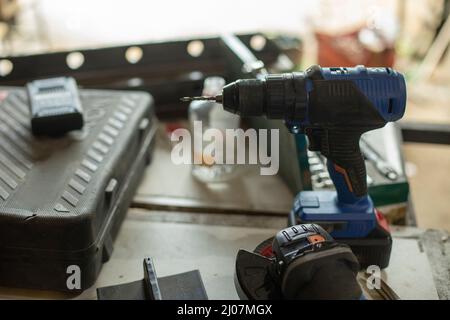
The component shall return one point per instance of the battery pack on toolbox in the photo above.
(62, 200)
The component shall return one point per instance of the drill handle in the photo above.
(345, 163)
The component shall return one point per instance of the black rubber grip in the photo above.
(342, 148)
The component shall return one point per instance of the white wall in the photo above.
(87, 23)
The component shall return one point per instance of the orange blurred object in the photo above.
(346, 50)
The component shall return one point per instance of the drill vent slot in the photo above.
(391, 105)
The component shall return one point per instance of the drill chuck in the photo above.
(245, 97)
(278, 96)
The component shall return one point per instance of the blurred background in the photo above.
(410, 35)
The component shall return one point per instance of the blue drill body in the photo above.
(384, 87)
(386, 91)
(333, 107)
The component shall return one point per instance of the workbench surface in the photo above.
(184, 226)
(181, 242)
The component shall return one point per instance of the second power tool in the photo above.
(300, 262)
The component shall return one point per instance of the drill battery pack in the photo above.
(373, 249)
(62, 199)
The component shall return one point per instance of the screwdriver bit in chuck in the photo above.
(217, 98)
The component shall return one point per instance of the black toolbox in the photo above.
(62, 200)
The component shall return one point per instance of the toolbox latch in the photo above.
(143, 126)
(110, 191)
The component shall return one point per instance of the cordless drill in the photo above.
(333, 107)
